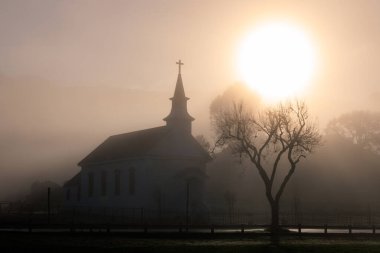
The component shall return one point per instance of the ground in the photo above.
(101, 242)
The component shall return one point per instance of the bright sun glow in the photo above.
(277, 60)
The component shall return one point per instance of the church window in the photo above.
(90, 184)
(132, 180)
(79, 192)
(104, 183)
(117, 182)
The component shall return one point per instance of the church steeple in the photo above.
(179, 119)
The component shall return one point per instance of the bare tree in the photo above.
(238, 91)
(202, 140)
(362, 128)
(274, 140)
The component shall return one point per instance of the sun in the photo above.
(277, 60)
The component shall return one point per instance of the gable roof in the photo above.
(122, 146)
(74, 181)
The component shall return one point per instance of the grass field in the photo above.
(23, 242)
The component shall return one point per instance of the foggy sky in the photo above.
(74, 72)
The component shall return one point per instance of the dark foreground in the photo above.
(101, 242)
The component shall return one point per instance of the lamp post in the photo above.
(187, 203)
(48, 206)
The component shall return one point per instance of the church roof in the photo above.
(122, 146)
(154, 142)
(74, 181)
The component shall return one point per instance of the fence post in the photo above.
(374, 229)
(142, 215)
(326, 229)
(349, 229)
(212, 229)
(30, 222)
(88, 214)
(242, 228)
(30, 226)
(145, 228)
(299, 229)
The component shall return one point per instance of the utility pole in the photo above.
(48, 200)
(187, 204)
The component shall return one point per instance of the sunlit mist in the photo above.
(75, 73)
(277, 60)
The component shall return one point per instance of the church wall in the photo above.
(113, 197)
(71, 195)
(160, 184)
(170, 183)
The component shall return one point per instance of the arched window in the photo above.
(132, 180)
(90, 184)
(79, 191)
(117, 182)
(104, 183)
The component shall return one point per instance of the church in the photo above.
(161, 168)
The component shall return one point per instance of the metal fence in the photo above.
(141, 216)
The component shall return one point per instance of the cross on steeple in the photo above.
(179, 66)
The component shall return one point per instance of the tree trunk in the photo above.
(275, 217)
(275, 224)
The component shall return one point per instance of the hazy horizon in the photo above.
(73, 73)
